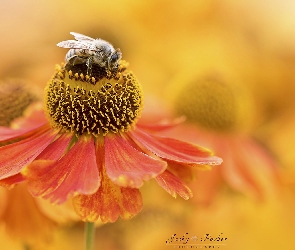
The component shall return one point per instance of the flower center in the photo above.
(210, 103)
(98, 104)
(15, 97)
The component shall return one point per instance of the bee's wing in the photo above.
(73, 44)
(81, 37)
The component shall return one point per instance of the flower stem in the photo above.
(89, 235)
(26, 246)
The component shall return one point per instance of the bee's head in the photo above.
(114, 59)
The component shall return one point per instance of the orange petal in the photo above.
(76, 172)
(207, 186)
(22, 217)
(128, 167)
(108, 203)
(10, 182)
(175, 150)
(14, 157)
(173, 185)
(183, 171)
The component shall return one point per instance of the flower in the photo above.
(88, 145)
(218, 116)
(15, 98)
(22, 216)
(20, 213)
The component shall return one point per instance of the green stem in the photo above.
(89, 235)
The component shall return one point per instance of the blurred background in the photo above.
(228, 66)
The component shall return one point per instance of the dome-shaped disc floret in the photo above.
(99, 104)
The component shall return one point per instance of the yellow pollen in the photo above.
(97, 105)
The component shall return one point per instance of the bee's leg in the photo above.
(89, 66)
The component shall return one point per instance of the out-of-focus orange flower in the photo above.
(89, 146)
(19, 211)
(22, 216)
(218, 115)
(16, 96)
(279, 135)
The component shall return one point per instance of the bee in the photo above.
(91, 51)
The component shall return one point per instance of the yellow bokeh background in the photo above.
(250, 44)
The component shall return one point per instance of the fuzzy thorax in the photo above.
(99, 104)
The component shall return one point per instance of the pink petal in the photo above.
(34, 117)
(162, 125)
(7, 134)
(249, 168)
(128, 167)
(108, 203)
(175, 150)
(173, 185)
(14, 157)
(56, 149)
(76, 172)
